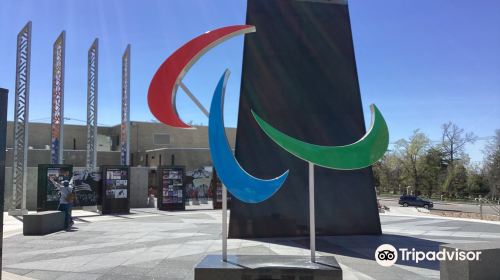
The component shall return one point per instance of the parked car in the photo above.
(411, 200)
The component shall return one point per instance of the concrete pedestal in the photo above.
(253, 267)
(18, 212)
(43, 223)
(486, 268)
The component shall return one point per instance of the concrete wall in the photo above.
(190, 146)
(141, 136)
(73, 157)
(190, 158)
(31, 188)
(138, 187)
(39, 135)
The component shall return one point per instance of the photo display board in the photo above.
(116, 189)
(87, 186)
(48, 195)
(172, 190)
(197, 182)
(216, 192)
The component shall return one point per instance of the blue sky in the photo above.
(422, 62)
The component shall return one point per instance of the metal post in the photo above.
(224, 189)
(224, 223)
(481, 208)
(3, 131)
(92, 85)
(125, 125)
(57, 118)
(312, 222)
(193, 98)
(21, 117)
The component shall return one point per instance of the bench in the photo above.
(42, 223)
(486, 268)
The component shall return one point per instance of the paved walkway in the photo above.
(151, 244)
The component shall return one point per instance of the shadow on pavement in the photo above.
(364, 246)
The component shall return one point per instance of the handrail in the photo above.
(485, 202)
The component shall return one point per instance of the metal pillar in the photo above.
(57, 119)
(21, 117)
(92, 84)
(312, 216)
(125, 126)
(3, 131)
(193, 98)
(224, 223)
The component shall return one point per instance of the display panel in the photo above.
(116, 189)
(48, 194)
(172, 190)
(216, 192)
(197, 182)
(87, 187)
(116, 183)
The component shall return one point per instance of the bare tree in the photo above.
(453, 149)
(454, 141)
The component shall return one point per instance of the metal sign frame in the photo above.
(21, 117)
(92, 86)
(57, 118)
(125, 115)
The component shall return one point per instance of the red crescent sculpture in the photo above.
(163, 87)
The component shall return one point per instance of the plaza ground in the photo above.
(152, 244)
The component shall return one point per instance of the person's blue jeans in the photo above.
(66, 208)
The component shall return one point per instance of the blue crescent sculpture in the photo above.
(238, 182)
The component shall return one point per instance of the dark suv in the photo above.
(410, 200)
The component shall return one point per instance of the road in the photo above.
(445, 205)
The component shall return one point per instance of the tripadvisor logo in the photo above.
(387, 255)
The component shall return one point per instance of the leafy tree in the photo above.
(387, 173)
(459, 180)
(492, 164)
(410, 153)
(476, 181)
(434, 170)
(377, 173)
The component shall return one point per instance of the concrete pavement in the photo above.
(152, 244)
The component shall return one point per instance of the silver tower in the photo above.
(57, 118)
(125, 125)
(21, 117)
(92, 84)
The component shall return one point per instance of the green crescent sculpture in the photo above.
(363, 153)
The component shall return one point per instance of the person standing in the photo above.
(65, 201)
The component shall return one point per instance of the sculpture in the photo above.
(245, 187)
